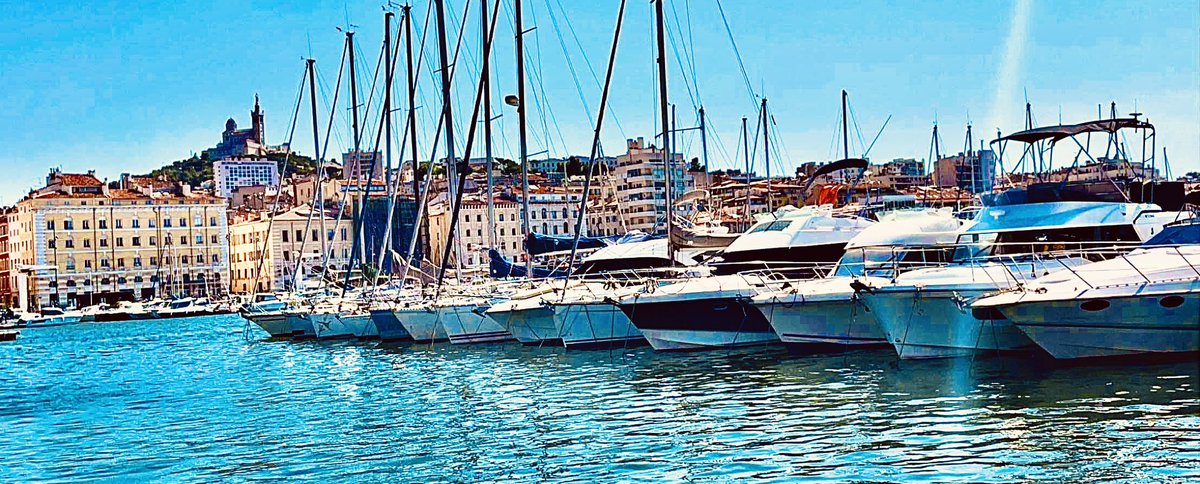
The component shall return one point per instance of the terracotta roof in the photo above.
(75, 179)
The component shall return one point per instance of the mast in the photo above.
(662, 101)
(968, 154)
(746, 155)
(704, 155)
(412, 126)
(525, 227)
(767, 153)
(447, 112)
(937, 155)
(487, 125)
(845, 125)
(320, 182)
(362, 191)
(386, 245)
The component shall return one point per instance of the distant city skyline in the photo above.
(120, 87)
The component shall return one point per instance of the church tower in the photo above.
(257, 126)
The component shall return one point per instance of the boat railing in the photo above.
(1145, 276)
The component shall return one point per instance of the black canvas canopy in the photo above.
(1055, 133)
(835, 166)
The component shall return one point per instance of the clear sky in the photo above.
(122, 86)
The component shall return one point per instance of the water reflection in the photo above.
(191, 400)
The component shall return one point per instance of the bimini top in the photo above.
(1055, 133)
(646, 254)
(1051, 215)
(835, 166)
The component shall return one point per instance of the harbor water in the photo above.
(194, 400)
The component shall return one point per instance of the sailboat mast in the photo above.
(320, 182)
(447, 112)
(525, 227)
(704, 154)
(767, 153)
(487, 125)
(391, 190)
(664, 115)
(412, 134)
(845, 125)
(746, 155)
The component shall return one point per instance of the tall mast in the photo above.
(525, 227)
(937, 156)
(487, 124)
(664, 115)
(412, 135)
(767, 153)
(318, 188)
(704, 154)
(362, 192)
(447, 112)
(386, 245)
(746, 155)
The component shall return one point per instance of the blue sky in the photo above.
(129, 86)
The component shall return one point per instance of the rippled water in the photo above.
(191, 400)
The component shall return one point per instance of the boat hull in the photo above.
(388, 325)
(422, 324)
(929, 324)
(531, 326)
(43, 322)
(338, 326)
(275, 324)
(821, 323)
(1127, 326)
(466, 324)
(301, 326)
(595, 325)
(694, 324)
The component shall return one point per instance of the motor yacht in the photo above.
(714, 311)
(926, 313)
(50, 316)
(824, 313)
(1145, 302)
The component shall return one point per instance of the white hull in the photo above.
(301, 325)
(1128, 326)
(422, 324)
(844, 322)
(594, 324)
(681, 340)
(275, 324)
(530, 326)
(939, 324)
(466, 323)
(339, 326)
(52, 321)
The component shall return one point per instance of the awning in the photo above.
(1055, 133)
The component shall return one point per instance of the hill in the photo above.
(198, 169)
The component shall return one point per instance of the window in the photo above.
(104, 262)
(120, 242)
(287, 256)
(468, 234)
(199, 239)
(216, 259)
(153, 241)
(502, 231)
(70, 265)
(566, 228)
(183, 259)
(121, 262)
(167, 222)
(198, 220)
(68, 224)
(137, 241)
(117, 222)
(479, 217)
(329, 234)
(137, 262)
(85, 225)
(135, 223)
(87, 243)
(212, 221)
(102, 223)
(315, 236)
(213, 239)
(182, 222)
(137, 279)
(70, 244)
(564, 212)
(49, 225)
(182, 240)
(52, 244)
(153, 260)
(285, 235)
(87, 264)
(299, 236)
(343, 235)
(501, 217)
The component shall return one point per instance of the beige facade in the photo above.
(76, 242)
(248, 244)
(555, 217)
(641, 184)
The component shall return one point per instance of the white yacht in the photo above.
(268, 311)
(927, 313)
(527, 314)
(383, 316)
(714, 311)
(421, 320)
(820, 313)
(586, 316)
(339, 319)
(50, 316)
(1147, 301)
(184, 307)
(464, 320)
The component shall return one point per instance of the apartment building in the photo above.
(290, 247)
(641, 184)
(78, 242)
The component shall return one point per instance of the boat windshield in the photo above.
(1018, 242)
(180, 304)
(865, 261)
(266, 298)
(776, 226)
(52, 311)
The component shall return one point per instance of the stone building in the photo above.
(241, 142)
